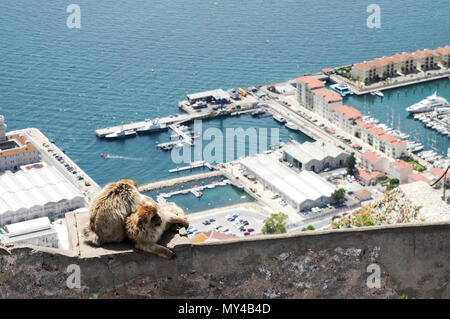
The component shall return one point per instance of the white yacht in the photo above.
(429, 104)
(279, 118)
(292, 126)
(121, 134)
(150, 127)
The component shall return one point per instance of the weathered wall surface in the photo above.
(414, 260)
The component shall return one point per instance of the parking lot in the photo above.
(240, 220)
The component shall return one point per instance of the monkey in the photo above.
(146, 226)
(110, 208)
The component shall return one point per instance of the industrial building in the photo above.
(213, 96)
(34, 193)
(38, 232)
(301, 190)
(314, 156)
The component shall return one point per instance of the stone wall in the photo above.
(414, 260)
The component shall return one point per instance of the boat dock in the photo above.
(195, 190)
(179, 181)
(174, 120)
(193, 165)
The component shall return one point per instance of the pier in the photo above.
(174, 120)
(191, 166)
(179, 181)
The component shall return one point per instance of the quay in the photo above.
(397, 82)
(179, 181)
(174, 120)
(191, 166)
(196, 190)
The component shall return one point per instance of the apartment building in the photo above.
(406, 62)
(427, 59)
(324, 100)
(372, 161)
(400, 170)
(444, 55)
(305, 88)
(379, 139)
(344, 117)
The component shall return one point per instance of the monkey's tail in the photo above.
(92, 237)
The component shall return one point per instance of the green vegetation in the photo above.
(344, 71)
(416, 166)
(52, 219)
(393, 183)
(309, 227)
(338, 195)
(350, 164)
(94, 296)
(275, 224)
(402, 297)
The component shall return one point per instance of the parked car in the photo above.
(250, 229)
(206, 222)
(246, 233)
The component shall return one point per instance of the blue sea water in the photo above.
(69, 82)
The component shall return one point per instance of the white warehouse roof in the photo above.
(297, 187)
(36, 187)
(308, 151)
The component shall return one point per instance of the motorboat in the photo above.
(431, 103)
(292, 126)
(121, 134)
(342, 88)
(279, 118)
(378, 93)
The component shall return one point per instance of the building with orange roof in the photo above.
(363, 195)
(436, 173)
(365, 177)
(328, 71)
(305, 87)
(386, 66)
(379, 139)
(15, 149)
(427, 59)
(444, 55)
(414, 177)
(324, 100)
(406, 62)
(345, 116)
(381, 68)
(364, 72)
(372, 161)
(400, 170)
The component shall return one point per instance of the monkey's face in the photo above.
(148, 217)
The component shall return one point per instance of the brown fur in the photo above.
(110, 208)
(146, 226)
